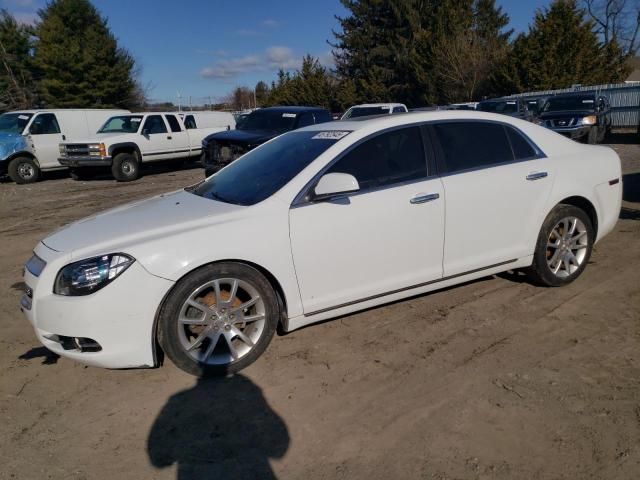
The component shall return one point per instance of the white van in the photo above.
(221, 120)
(29, 139)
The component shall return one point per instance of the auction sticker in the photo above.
(330, 135)
(289, 115)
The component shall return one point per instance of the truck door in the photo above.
(156, 141)
(45, 136)
(178, 138)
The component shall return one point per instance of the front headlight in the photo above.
(90, 275)
(62, 149)
(97, 149)
(590, 120)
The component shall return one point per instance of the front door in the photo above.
(155, 143)
(386, 237)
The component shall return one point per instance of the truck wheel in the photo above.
(24, 170)
(592, 138)
(80, 173)
(125, 168)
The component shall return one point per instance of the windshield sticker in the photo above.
(587, 101)
(23, 117)
(330, 135)
(289, 115)
(511, 103)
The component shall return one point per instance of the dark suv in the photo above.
(514, 107)
(222, 148)
(578, 116)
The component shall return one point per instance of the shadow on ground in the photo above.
(631, 187)
(220, 428)
(48, 357)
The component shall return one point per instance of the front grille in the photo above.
(561, 122)
(77, 149)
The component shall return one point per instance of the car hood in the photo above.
(98, 137)
(243, 137)
(565, 114)
(135, 223)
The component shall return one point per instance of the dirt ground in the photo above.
(495, 379)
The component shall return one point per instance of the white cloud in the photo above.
(270, 23)
(232, 68)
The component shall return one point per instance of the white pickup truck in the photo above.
(126, 141)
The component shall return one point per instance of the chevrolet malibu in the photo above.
(316, 224)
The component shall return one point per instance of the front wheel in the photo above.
(592, 137)
(24, 170)
(126, 167)
(218, 319)
(564, 247)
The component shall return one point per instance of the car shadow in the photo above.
(220, 428)
(147, 169)
(48, 357)
(622, 138)
(631, 187)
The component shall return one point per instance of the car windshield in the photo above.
(122, 124)
(533, 106)
(498, 107)
(574, 102)
(263, 171)
(366, 111)
(14, 122)
(272, 120)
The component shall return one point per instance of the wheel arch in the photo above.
(158, 353)
(585, 205)
(126, 147)
(22, 153)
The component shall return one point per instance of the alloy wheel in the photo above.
(567, 246)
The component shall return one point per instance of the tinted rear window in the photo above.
(467, 145)
(522, 149)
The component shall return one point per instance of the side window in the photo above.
(190, 122)
(44, 124)
(173, 123)
(392, 157)
(322, 117)
(398, 110)
(154, 124)
(305, 119)
(467, 145)
(522, 149)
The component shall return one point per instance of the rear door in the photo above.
(496, 184)
(46, 137)
(178, 138)
(156, 141)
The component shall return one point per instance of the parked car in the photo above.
(579, 116)
(463, 106)
(374, 109)
(29, 138)
(316, 224)
(258, 127)
(125, 142)
(514, 107)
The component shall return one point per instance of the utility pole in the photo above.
(179, 102)
(210, 103)
(190, 107)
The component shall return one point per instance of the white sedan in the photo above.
(315, 224)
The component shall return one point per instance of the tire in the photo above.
(24, 170)
(125, 167)
(79, 174)
(190, 319)
(592, 137)
(566, 226)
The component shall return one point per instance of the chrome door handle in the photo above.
(537, 176)
(425, 198)
(168, 137)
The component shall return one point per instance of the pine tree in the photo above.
(16, 82)
(262, 93)
(78, 60)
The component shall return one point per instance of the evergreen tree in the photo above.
(561, 49)
(262, 93)
(78, 60)
(16, 82)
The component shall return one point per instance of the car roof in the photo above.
(291, 109)
(379, 105)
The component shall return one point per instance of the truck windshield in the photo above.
(271, 120)
(14, 122)
(366, 111)
(263, 171)
(574, 102)
(122, 124)
(498, 107)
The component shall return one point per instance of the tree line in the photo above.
(434, 52)
(69, 58)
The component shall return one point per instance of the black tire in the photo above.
(125, 167)
(168, 324)
(540, 272)
(24, 170)
(592, 137)
(79, 174)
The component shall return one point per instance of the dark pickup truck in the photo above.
(585, 116)
(222, 148)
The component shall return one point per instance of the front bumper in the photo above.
(573, 132)
(120, 317)
(87, 161)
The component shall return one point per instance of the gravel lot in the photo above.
(495, 379)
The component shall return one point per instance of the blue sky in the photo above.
(204, 48)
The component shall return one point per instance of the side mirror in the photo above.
(332, 184)
(145, 132)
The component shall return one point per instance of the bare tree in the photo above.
(617, 21)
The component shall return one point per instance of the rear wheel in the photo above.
(24, 170)
(564, 247)
(126, 167)
(219, 319)
(592, 137)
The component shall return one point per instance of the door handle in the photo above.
(168, 137)
(430, 197)
(537, 176)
